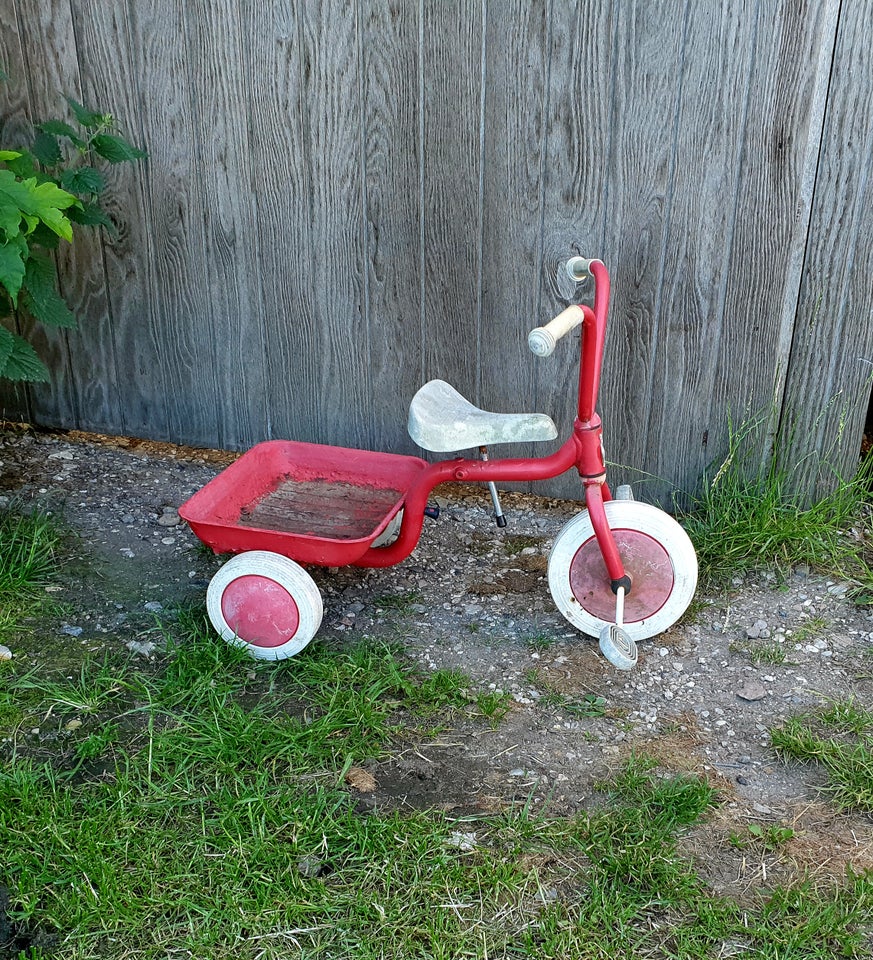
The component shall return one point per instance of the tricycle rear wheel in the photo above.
(264, 603)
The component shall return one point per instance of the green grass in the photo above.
(748, 518)
(761, 651)
(200, 811)
(28, 546)
(839, 737)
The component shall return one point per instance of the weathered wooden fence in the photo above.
(344, 198)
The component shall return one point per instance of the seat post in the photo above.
(499, 518)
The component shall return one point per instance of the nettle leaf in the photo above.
(7, 344)
(115, 149)
(46, 149)
(90, 215)
(51, 200)
(6, 155)
(13, 254)
(27, 198)
(60, 129)
(22, 165)
(15, 197)
(83, 180)
(40, 297)
(21, 362)
(89, 119)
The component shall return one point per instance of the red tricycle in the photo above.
(620, 570)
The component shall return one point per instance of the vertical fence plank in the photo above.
(451, 107)
(14, 127)
(110, 75)
(333, 98)
(512, 178)
(831, 367)
(280, 182)
(578, 134)
(696, 261)
(390, 64)
(174, 208)
(220, 92)
(649, 50)
(780, 145)
(91, 349)
(49, 55)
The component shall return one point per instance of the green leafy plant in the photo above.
(771, 836)
(46, 189)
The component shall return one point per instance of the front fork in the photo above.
(592, 470)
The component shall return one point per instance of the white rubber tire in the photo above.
(287, 574)
(636, 517)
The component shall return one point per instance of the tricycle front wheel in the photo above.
(264, 603)
(657, 555)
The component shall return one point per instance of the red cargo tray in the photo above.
(313, 503)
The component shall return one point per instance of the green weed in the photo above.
(839, 737)
(28, 554)
(771, 836)
(761, 651)
(748, 517)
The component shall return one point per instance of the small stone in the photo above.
(465, 842)
(752, 690)
(153, 606)
(5, 653)
(61, 455)
(169, 519)
(143, 648)
(761, 808)
(758, 630)
(311, 867)
(71, 631)
(741, 780)
(128, 519)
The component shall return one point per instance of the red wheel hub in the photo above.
(260, 611)
(645, 561)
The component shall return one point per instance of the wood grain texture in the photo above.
(49, 56)
(220, 93)
(109, 71)
(183, 330)
(577, 143)
(280, 142)
(681, 429)
(780, 146)
(392, 148)
(346, 198)
(649, 52)
(831, 367)
(451, 57)
(91, 348)
(516, 90)
(14, 125)
(332, 91)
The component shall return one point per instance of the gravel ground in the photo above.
(703, 697)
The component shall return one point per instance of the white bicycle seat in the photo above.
(442, 420)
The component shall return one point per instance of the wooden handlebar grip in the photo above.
(542, 340)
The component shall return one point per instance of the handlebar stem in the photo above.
(593, 339)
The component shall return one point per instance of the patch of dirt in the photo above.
(702, 699)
